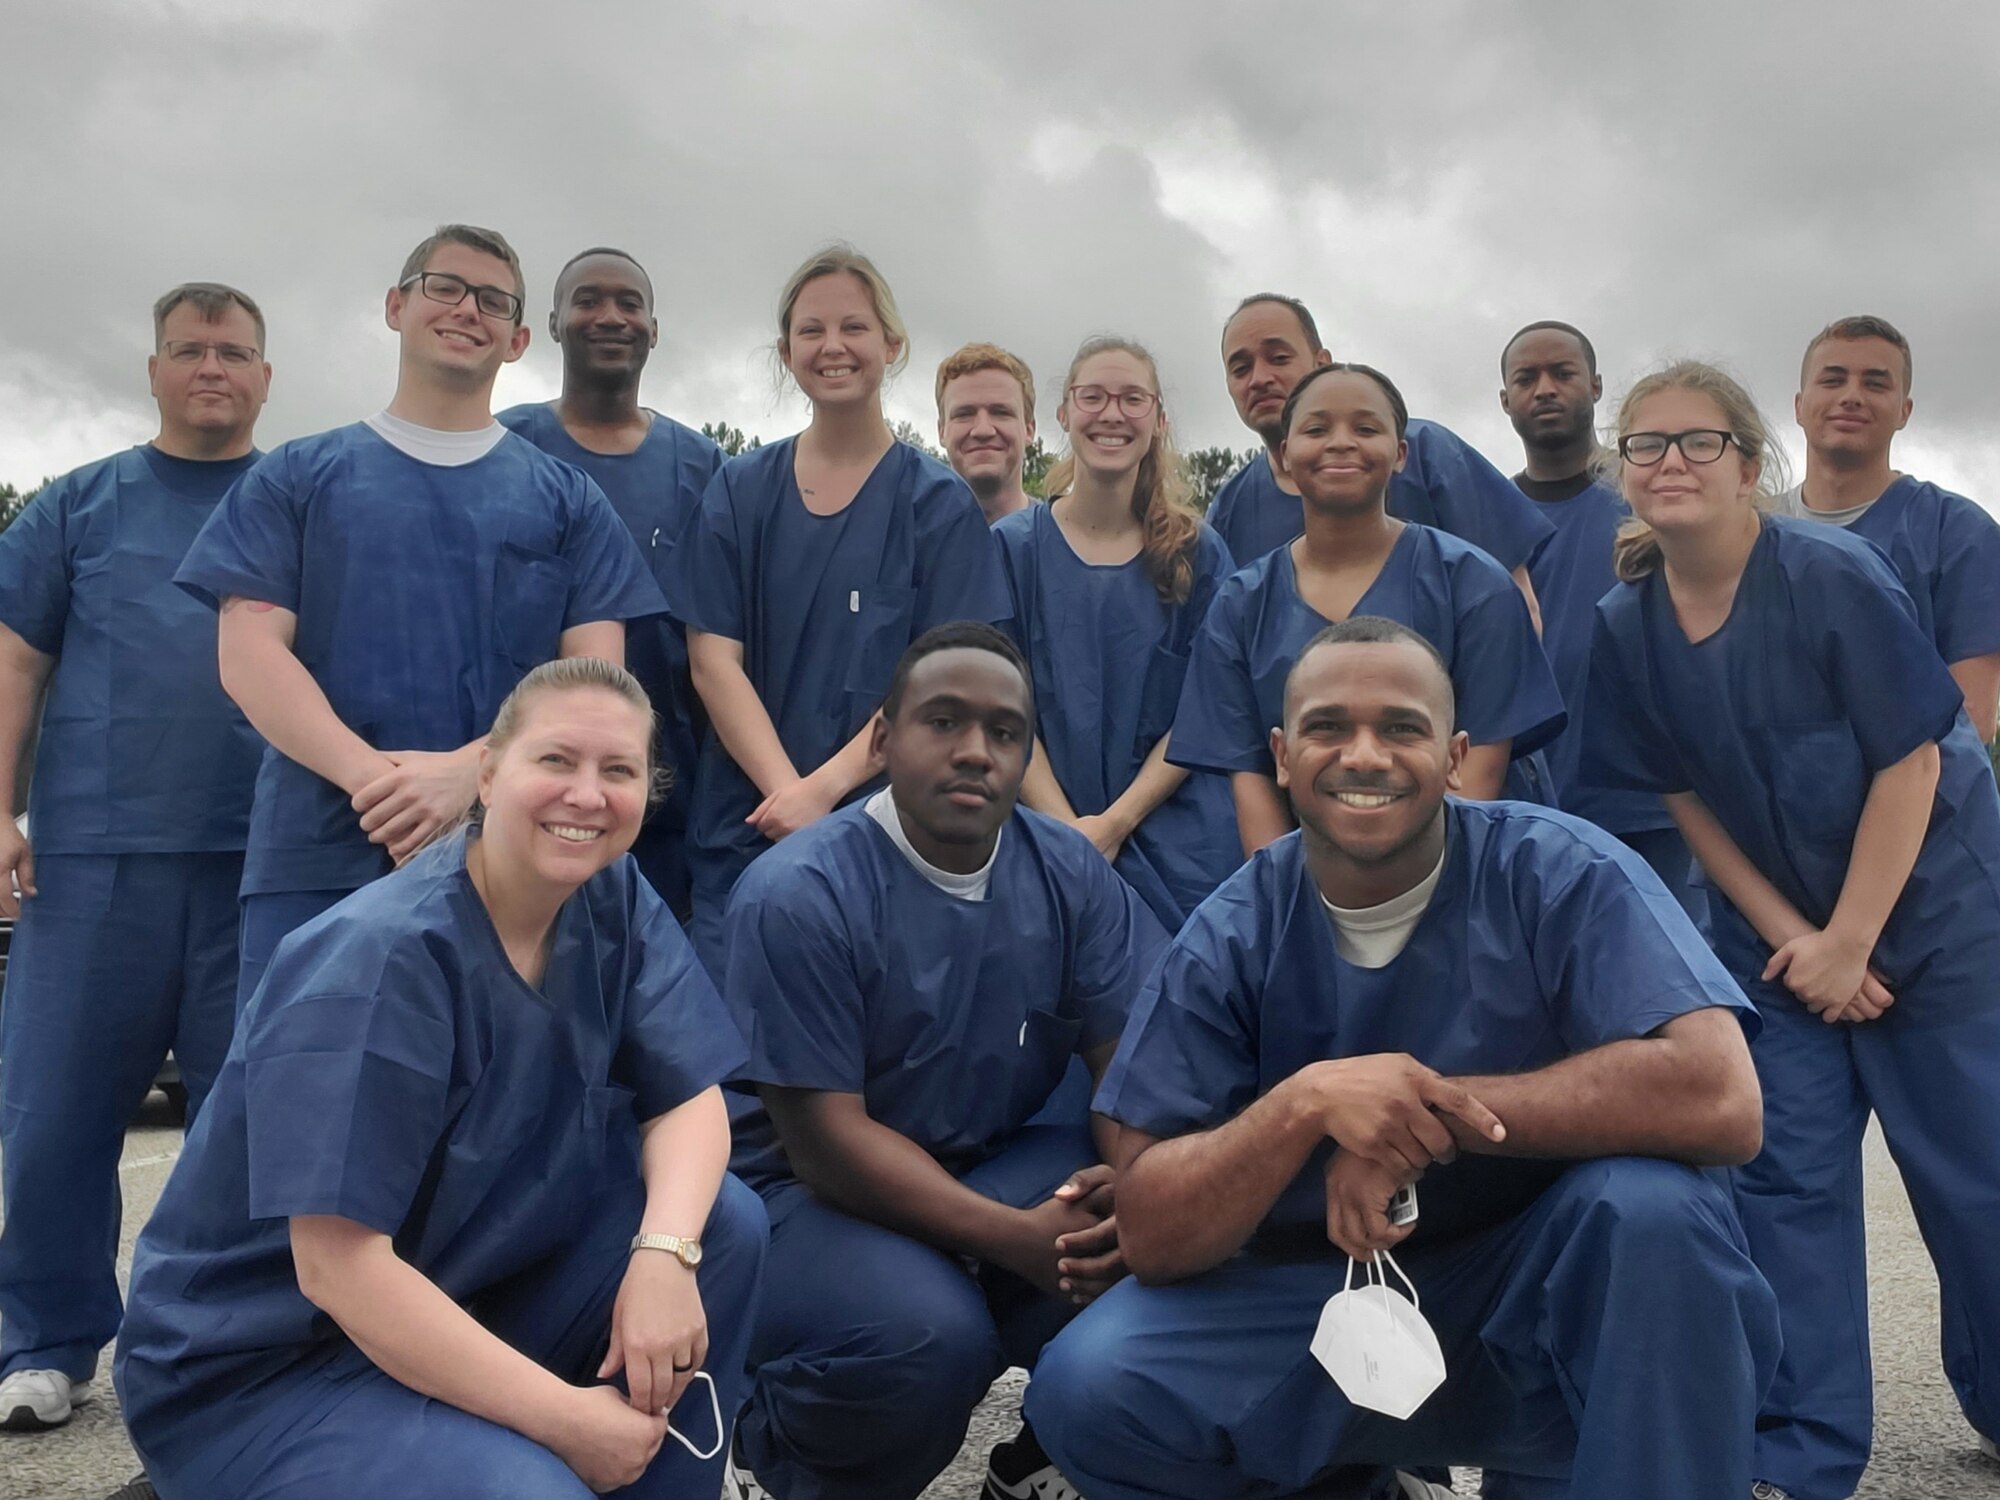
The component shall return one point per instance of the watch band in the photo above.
(681, 1247)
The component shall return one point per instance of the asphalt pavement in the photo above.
(1923, 1449)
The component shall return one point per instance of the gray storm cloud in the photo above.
(1711, 178)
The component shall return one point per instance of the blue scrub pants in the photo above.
(873, 1348)
(1615, 1335)
(118, 959)
(268, 918)
(1667, 853)
(1930, 1071)
(344, 1428)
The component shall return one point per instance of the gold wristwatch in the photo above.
(680, 1247)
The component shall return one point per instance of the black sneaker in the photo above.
(1020, 1470)
(139, 1488)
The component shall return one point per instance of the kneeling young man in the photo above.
(917, 973)
(1497, 1003)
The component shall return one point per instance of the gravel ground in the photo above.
(1922, 1446)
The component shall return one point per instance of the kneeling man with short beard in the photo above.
(1497, 1003)
(917, 974)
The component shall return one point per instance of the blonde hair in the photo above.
(1636, 551)
(831, 261)
(975, 357)
(567, 674)
(1162, 499)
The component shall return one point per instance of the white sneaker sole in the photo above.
(22, 1415)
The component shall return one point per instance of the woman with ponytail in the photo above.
(1110, 582)
(1769, 678)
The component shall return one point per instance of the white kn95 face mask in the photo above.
(1376, 1345)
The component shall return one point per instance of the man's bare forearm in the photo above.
(1686, 1093)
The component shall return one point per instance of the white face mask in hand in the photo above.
(1376, 1344)
(715, 1405)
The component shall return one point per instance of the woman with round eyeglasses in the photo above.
(1345, 427)
(1110, 580)
(463, 1170)
(1770, 680)
(808, 567)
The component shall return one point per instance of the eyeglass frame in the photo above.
(1151, 399)
(252, 354)
(1672, 440)
(473, 289)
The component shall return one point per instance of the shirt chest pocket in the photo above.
(1818, 780)
(530, 594)
(884, 616)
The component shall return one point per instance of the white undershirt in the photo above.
(1369, 937)
(432, 445)
(882, 808)
(1794, 502)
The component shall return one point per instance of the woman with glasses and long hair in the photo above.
(1344, 439)
(1110, 581)
(1769, 678)
(463, 1169)
(809, 566)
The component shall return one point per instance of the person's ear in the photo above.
(1454, 760)
(1278, 759)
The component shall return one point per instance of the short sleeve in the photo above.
(1614, 951)
(791, 981)
(253, 544)
(345, 1093)
(1218, 726)
(959, 573)
(705, 582)
(608, 577)
(1212, 564)
(678, 1037)
(1965, 599)
(1188, 1057)
(1505, 687)
(1896, 690)
(1466, 496)
(1625, 746)
(35, 570)
(1118, 941)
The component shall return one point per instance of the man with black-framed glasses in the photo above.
(125, 946)
(383, 586)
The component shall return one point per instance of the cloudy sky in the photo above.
(1709, 178)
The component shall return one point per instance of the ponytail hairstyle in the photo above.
(566, 674)
(833, 260)
(1636, 551)
(1162, 499)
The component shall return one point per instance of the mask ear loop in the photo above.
(715, 1405)
(1384, 1255)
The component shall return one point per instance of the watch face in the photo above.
(690, 1254)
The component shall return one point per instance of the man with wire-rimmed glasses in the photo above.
(124, 884)
(384, 585)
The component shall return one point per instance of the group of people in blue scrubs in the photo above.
(1075, 935)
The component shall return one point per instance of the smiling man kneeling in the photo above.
(1496, 1002)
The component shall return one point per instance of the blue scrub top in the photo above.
(1449, 592)
(1571, 572)
(394, 1069)
(141, 750)
(1544, 937)
(1108, 658)
(424, 593)
(823, 605)
(654, 489)
(1820, 678)
(1445, 482)
(954, 1020)
(1946, 549)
